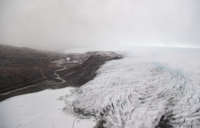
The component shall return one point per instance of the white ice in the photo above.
(39, 110)
(145, 86)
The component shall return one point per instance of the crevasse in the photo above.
(136, 92)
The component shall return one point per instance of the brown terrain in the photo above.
(24, 70)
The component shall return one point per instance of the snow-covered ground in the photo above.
(40, 110)
(148, 88)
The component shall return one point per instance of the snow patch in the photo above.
(40, 110)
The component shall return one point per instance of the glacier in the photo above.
(148, 88)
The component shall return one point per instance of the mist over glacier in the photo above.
(155, 85)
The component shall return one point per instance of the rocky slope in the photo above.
(24, 70)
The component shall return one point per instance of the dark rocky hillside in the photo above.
(23, 66)
(80, 74)
(24, 70)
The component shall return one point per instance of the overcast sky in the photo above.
(65, 24)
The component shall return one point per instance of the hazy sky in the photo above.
(64, 24)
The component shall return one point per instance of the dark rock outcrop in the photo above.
(86, 71)
(24, 70)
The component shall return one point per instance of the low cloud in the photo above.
(67, 24)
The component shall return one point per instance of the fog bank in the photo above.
(68, 24)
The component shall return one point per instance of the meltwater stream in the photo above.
(157, 90)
